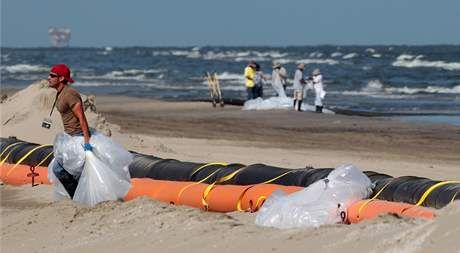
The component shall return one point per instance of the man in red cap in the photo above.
(68, 102)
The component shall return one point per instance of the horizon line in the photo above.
(235, 46)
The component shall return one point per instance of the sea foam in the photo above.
(411, 61)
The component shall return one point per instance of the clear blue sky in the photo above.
(24, 23)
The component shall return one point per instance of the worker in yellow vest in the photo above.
(249, 75)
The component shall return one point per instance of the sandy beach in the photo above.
(194, 131)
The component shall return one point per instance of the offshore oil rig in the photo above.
(60, 37)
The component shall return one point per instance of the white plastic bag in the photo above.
(323, 202)
(268, 104)
(69, 153)
(99, 182)
(103, 173)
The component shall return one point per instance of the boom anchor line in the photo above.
(33, 174)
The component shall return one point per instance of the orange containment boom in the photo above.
(221, 198)
(229, 198)
(20, 174)
(217, 198)
(370, 209)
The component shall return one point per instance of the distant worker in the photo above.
(259, 81)
(277, 80)
(250, 75)
(284, 76)
(319, 91)
(299, 85)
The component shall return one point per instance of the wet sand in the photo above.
(365, 137)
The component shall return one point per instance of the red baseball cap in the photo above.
(62, 70)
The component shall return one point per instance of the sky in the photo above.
(99, 23)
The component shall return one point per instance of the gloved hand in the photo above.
(88, 147)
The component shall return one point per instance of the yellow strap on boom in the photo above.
(44, 159)
(218, 181)
(259, 202)
(432, 188)
(25, 156)
(455, 195)
(8, 155)
(9, 146)
(373, 198)
(206, 165)
(195, 183)
(240, 199)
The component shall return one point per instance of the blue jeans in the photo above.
(251, 93)
(67, 180)
(258, 91)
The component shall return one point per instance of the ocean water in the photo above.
(377, 80)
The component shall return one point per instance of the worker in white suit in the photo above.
(319, 91)
(277, 80)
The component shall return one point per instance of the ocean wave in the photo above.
(24, 68)
(271, 54)
(316, 54)
(257, 59)
(336, 54)
(211, 55)
(225, 78)
(29, 77)
(349, 56)
(95, 84)
(411, 61)
(194, 53)
(243, 55)
(429, 89)
(180, 52)
(318, 61)
(130, 74)
(139, 71)
(376, 55)
(5, 57)
(103, 53)
(231, 76)
(370, 50)
(160, 53)
(377, 88)
(159, 85)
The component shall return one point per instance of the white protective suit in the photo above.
(319, 91)
(277, 83)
